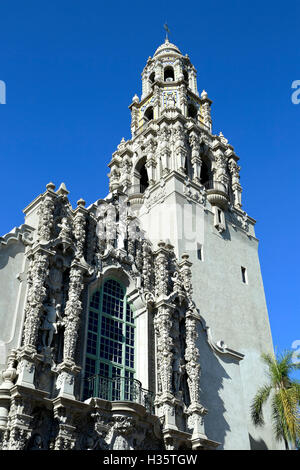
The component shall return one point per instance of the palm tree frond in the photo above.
(257, 404)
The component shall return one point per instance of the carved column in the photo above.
(161, 270)
(39, 268)
(67, 370)
(164, 341)
(72, 319)
(183, 103)
(46, 212)
(38, 271)
(79, 229)
(206, 111)
(65, 439)
(126, 171)
(151, 163)
(180, 150)
(8, 376)
(147, 266)
(19, 422)
(164, 363)
(165, 153)
(235, 182)
(195, 157)
(134, 115)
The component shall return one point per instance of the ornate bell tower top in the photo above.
(172, 135)
(168, 79)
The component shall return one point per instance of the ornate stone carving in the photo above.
(192, 358)
(46, 218)
(37, 291)
(50, 324)
(161, 271)
(162, 326)
(73, 312)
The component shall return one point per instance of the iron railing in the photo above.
(121, 389)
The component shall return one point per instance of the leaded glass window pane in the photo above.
(110, 343)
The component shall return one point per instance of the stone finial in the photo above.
(81, 202)
(161, 244)
(62, 190)
(204, 95)
(135, 99)
(223, 139)
(50, 186)
(185, 256)
(121, 144)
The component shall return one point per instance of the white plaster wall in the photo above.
(236, 312)
(12, 294)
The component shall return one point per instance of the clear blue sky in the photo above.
(71, 68)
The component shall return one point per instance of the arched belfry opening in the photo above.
(142, 175)
(192, 111)
(149, 114)
(144, 180)
(152, 77)
(169, 74)
(205, 175)
(185, 75)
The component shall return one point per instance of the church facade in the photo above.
(138, 322)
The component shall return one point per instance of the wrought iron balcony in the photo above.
(121, 389)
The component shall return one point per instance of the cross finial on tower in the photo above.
(167, 31)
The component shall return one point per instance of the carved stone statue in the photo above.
(178, 373)
(37, 443)
(65, 229)
(50, 324)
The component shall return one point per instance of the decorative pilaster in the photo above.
(65, 439)
(206, 110)
(165, 153)
(235, 182)
(161, 271)
(9, 375)
(165, 401)
(19, 424)
(179, 146)
(46, 212)
(151, 163)
(73, 311)
(79, 229)
(38, 272)
(195, 157)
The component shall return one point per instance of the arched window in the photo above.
(169, 74)
(144, 181)
(192, 111)
(110, 344)
(205, 174)
(185, 76)
(152, 77)
(149, 113)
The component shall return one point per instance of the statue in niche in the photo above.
(178, 374)
(90, 443)
(65, 233)
(50, 323)
(37, 443)
(65, 229)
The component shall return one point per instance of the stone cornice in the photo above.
(220, 347)
(21, 233)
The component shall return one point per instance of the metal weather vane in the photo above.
(166, 27)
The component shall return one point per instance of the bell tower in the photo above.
(138, 322)
(183, 184)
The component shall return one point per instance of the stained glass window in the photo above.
(110, 343)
